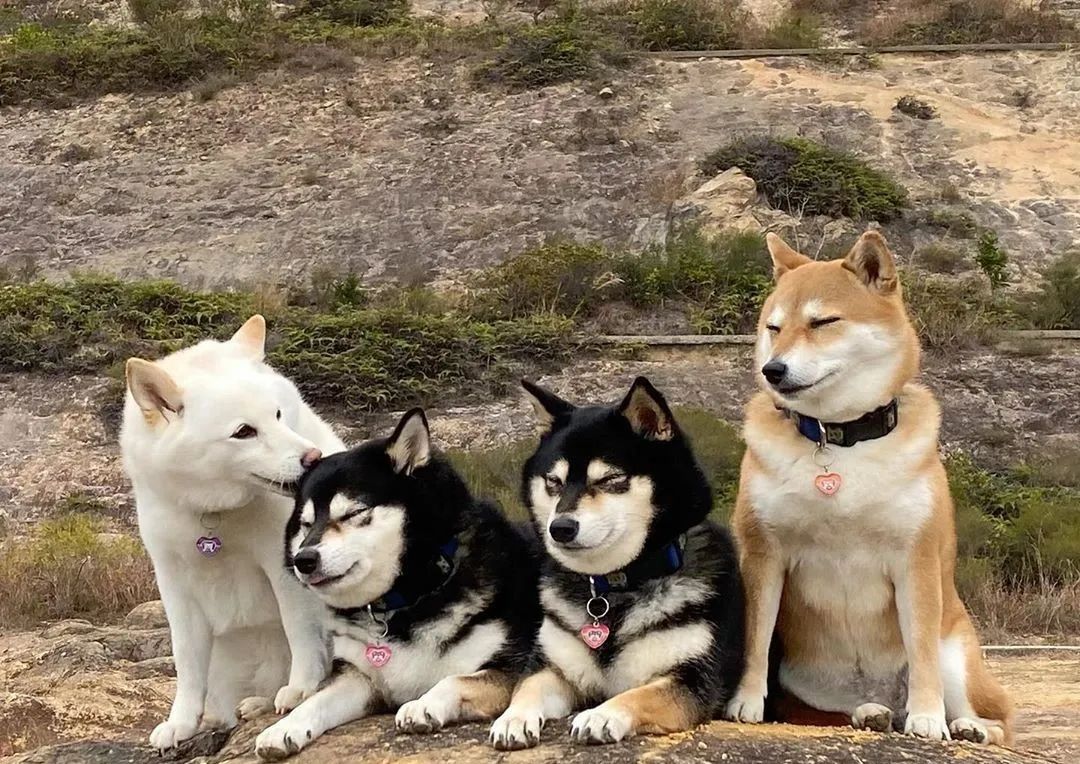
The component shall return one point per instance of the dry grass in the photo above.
(1002, 613)
(967, 22)
(69, 568)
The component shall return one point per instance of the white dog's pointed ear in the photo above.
(547, 406)
(152, 388)
(871, 260)
(647, 411)
(784, 258)
(251, 337)
(410, 446)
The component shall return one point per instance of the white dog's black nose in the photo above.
(774, 371)
(307, 560)
(563, 529)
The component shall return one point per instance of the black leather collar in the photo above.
(870, 426)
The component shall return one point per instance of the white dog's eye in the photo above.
(553, 485)
(772, 328)
(279, 413)
(245, 431)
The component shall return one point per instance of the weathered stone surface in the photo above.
(148, 615)
(374, 740)
(393, 200)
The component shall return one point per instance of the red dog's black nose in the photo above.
(774, 371)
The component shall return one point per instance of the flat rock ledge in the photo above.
(373, 741)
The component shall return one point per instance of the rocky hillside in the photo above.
(404, 170)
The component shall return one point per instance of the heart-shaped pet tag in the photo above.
(378, 655)
(208, 545)
(595, 634)
(828, 484)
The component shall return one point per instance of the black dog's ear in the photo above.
(547, 405)
(410, 446)
(647, 411)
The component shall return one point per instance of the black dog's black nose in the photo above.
(774, 371)
(563, 529)
(307, 560)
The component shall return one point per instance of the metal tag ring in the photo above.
(823, 456)
(589, 607)
(384, 622)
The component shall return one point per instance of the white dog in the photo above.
(213, 440)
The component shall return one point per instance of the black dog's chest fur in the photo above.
(704, 597)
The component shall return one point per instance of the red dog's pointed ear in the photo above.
(871, 260)
(784, 258)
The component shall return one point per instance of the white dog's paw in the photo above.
(289, 697)
(971, 730)
(872, 716)
(601, 725)
(930, 726)
(516, 729)
(282, 740)
(170, 734)
(423, 715)
(254, 707)
(746, 707)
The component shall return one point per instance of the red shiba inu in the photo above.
(844, 518)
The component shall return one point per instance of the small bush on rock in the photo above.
(800, 175)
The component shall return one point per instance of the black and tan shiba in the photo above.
(643, 605)
(432, 594)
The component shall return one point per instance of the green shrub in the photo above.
(357, 13)
(958, 224)
(802, 176)
(561, 278)
(675, 24)
(792, 29)
(993, 260)
(1056, 305)
(545, 54)
(940, 258)
(1028, 533)
(69, 568)
(149, 11)
(56, 64)
(952, 313)
(354, 357)
(971, 21)
(725, 278)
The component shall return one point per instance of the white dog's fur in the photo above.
(241, 624)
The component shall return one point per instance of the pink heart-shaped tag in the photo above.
(378, 655)
(595, 634)
(828, 484)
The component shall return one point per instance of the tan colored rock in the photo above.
(148, 615)
(729, 202)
